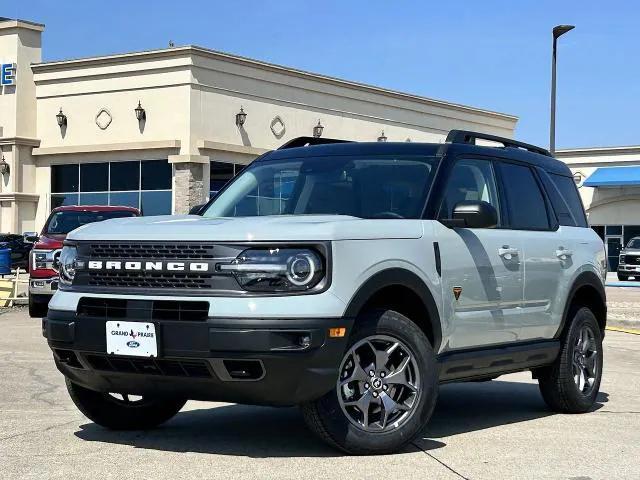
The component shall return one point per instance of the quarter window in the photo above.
(471, 180)
(525, 202)
(567, 188)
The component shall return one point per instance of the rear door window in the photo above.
(525, 202)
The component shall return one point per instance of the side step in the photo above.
(471, 364)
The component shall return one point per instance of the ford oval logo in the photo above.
(133, 344)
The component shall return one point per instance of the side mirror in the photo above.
(30, 237)
(196, 209)
(472, 214)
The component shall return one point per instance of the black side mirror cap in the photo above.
(472, 214)
(30, 237)
(196, 209)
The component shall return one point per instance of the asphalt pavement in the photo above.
(492, 430)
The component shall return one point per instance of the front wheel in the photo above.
(386, 389)
(622, 277)
(572, 383)
(123, 411)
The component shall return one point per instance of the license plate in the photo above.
(137, 339)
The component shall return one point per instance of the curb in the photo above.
(622, 284)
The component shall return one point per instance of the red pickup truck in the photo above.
(43, 274)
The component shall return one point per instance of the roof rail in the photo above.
(464, 136)
(306, 141)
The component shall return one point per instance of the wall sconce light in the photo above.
(141, 114)
(4, 167)
(241, 116)
(383, 137)
(61, 118)
(317, 130)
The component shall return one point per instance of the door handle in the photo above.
(507, 252)
(563, 254)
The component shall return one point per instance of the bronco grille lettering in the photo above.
(148, 266)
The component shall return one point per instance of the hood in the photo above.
(630, 251)
(49, 242)
(268, 228)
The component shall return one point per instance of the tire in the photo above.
(560, 384)
(38, 305)
(408, 377)
(122, 414)
(622, 277)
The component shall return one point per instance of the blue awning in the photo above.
(614, 177)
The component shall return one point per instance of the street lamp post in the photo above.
(557, 32)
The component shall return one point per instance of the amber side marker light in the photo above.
(337, 332)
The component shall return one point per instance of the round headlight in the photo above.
(67, 264)
(300, 269)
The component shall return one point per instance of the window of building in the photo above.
(525, 202)
(141, 184)
(220, 173)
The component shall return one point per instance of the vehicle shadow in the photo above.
(472, 406)
(265, 432)
(239, 430)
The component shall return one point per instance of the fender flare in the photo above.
(587, 278)
(404, 278)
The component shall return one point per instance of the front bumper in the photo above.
(627, 268)
(254, 361)
(43, 286)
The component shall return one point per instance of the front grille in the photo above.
(161, 280)
(150, 366)
(632, 260)
(112, 308)
(182, 251)
(184, 281)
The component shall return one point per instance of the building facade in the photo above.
(161, 130)
(608, 180)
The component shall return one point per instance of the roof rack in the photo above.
(464, 136)
(306, 141)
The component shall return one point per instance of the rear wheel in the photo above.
(386, 389)
(572, 383)
(38, 305)
(123, 411)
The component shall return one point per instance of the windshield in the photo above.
(371, 187)
(63, 222)
(634, 243)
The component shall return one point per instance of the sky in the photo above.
(491, 54)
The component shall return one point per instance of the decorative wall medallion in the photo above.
(278, 127)
(103, 119)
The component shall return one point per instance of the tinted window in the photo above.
(560, 207)
(470, 180)
(64, 178)
(94, 177)
(125, 176)
(525, 202)
(376, 187)
(567, 187)
(125, 199)
(64, 222)
(220, 174)
(634, 243)
(94, 198)
(60, 200)
(156, 175)
(156, 203)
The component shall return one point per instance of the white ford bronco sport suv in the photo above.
(348, 278)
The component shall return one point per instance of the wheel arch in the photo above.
(587, 290)
(404, 291)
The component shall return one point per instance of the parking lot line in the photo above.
(624, 330)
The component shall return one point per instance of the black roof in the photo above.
(460, 142)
